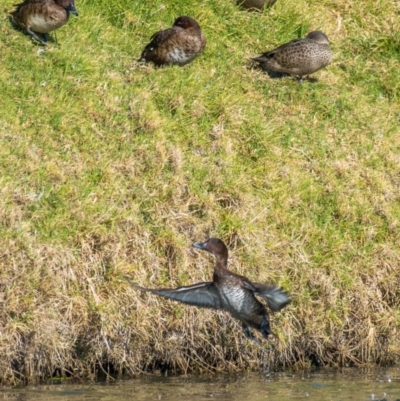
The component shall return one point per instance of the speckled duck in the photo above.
(300, 57)
(42, 16)
(230, 292)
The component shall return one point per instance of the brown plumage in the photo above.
(256, 4)
(179, 45)
(230, 292)
(300, 56)
(42, 16)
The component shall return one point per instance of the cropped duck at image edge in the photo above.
(230, 292)
(42, 16)
(255, 4)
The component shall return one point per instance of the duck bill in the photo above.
(200, 245)
(72, 9)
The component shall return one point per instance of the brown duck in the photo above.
(42, 16)
(255, 4)
(178, 45)
(300, 56)
(230, 292)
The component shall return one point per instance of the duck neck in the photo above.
(222, 263)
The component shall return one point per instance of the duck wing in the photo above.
(271, 54)
(159, 46)
(276, 298)
(161, 37)
(204, 295)
(25, 2)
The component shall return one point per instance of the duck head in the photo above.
(216, 247)
(186, 22)
(69, 5)
(318, 37)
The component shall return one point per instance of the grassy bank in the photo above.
(110, 168)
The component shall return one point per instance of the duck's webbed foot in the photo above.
(265, 328)
(35, 36)
(248, 333)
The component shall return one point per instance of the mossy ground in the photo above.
(109, 167)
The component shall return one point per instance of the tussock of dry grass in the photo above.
(110, 168)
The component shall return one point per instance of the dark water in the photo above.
(319, 385)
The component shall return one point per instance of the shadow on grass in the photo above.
(279, 75)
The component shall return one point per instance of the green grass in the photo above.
(109, 167)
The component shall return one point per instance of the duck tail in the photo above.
(260, 59)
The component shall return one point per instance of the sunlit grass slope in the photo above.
(109, 167)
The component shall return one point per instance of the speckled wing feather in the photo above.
(271, 53)
(276, 298)
(203, 295)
